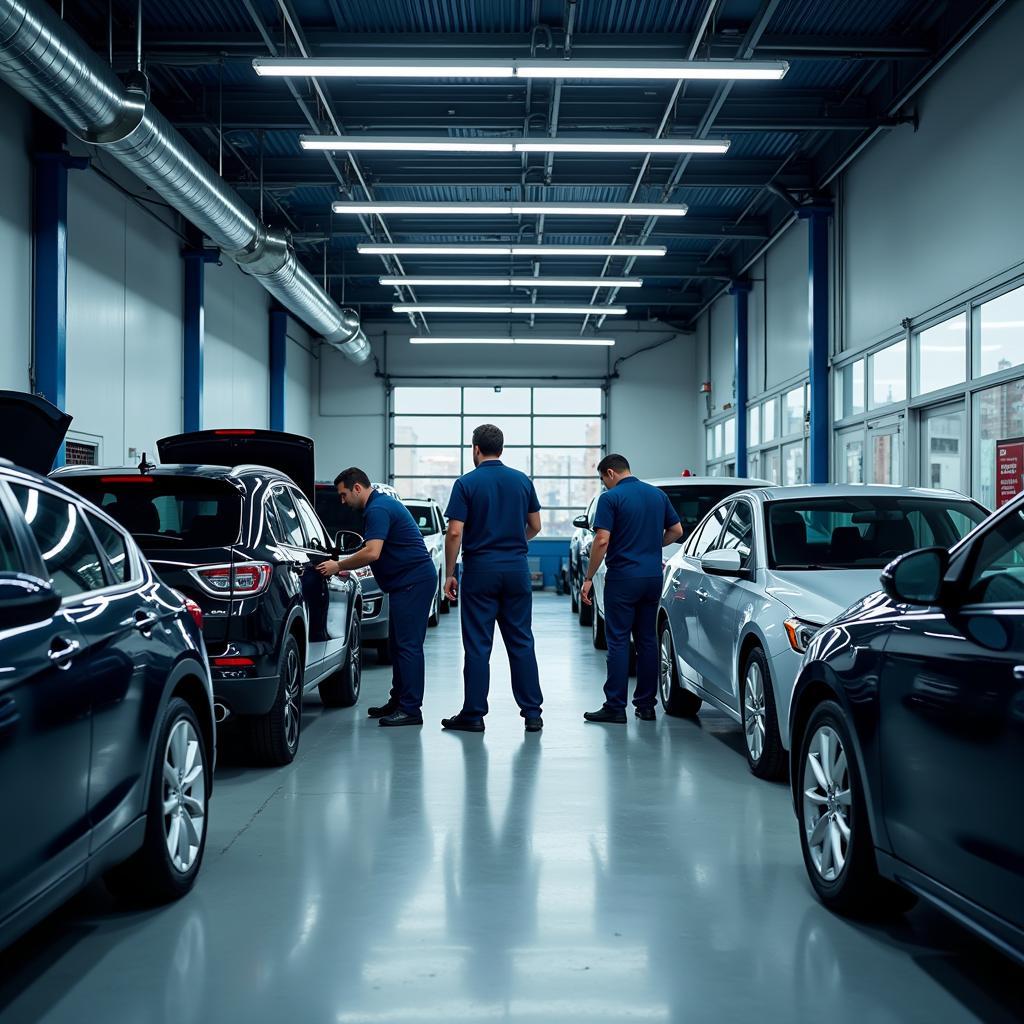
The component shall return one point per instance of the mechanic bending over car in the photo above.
(633, 521)
(402, 566)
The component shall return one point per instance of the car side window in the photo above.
(10, 560)
(997, 576)
(65, 543)
(739, 533)
(115, 547)
(287, 518)
(316, 535)
(710, 531)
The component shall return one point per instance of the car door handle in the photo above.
(1018, 673)
(62, 651)
(9, 716)
(145, 621)
(702, 594)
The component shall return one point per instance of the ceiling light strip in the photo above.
(505, 209)
(489, 310)
(601, 342)
(497, 249)
(614, 70)
(365, 143)
(515, 282)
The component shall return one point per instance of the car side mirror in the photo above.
(26, 599)
(346, 542)
(722, 562)
(916, 577)
(581, 523)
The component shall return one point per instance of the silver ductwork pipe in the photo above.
(41, 58)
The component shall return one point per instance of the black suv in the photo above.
(106, 709)
(227, 520)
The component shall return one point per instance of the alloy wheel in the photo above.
(827, 803)
(753, 710)
(184, 795)
(292, 710)
(355, 660)
(666, 667)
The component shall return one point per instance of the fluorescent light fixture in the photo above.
(671, 70)
(516, 282)
(498, 249)
(500, 209)
(397, 144)
(420, 307)
(637, 70)
(602, 342)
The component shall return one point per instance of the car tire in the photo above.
(762, 743)
(675, 698)
(341, 688)
(597, 630)
(435, 609)
(383, 648)
(574, 597)
(586, 610)
(274, 737)
(827, 820)
(445, 605)
(154, 874)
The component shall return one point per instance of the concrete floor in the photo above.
(590, 874)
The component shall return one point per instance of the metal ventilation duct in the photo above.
(41, 58)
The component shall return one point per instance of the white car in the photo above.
(430, 519)
(764, 571)
(692, 497)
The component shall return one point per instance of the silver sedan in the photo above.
(762, 573)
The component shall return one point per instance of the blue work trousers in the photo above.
(407, 629)
(631, 607)
(505, 598)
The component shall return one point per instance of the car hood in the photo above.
(819, 595)
(32, 430)
(290, 454)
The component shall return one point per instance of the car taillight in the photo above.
(195, 611)
(249, 579)
(233, 662)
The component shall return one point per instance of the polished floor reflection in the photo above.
(590, 873)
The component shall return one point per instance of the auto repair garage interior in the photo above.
(770, 251)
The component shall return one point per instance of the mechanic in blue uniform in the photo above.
(633, 521)
(492, 514)
(400, 563)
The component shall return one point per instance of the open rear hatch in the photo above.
(290, 454)
(31, 430)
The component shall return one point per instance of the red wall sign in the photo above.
(1009, 469)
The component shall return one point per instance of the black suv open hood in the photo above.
(31, 430)
(290, 454)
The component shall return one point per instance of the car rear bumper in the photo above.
(250, 696)
(375, 624)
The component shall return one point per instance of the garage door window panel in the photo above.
(999, 333)
(940, 355)
(491, 402)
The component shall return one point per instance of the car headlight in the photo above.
(800, 633)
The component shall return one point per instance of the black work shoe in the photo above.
(385, 709)
(534, 724)
(606, 715)
(462, 724)
(399, 717)
(646, 714)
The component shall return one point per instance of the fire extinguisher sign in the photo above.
(1009, 469)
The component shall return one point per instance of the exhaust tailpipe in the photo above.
(221, 713)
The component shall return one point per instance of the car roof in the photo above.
(704, 481)
(805, 491)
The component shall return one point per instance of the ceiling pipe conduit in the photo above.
(48, 64)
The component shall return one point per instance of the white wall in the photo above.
(651, 405)
(300, 380)
(15, 242)
(786, 296)
(928, 214)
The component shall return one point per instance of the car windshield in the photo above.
(693, 503)
(167, 511)
(335, 515)
(863, 531)
(424, 518)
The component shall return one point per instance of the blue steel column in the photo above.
(739, 290)
(193, 336)
(817, 217)
(278, 366)
(50, 265)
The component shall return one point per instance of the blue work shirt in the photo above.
(637, 516)
(404, 558)
(493, 502)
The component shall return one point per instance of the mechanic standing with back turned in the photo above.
(402, 566)
(493, 512)
(633, 521)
